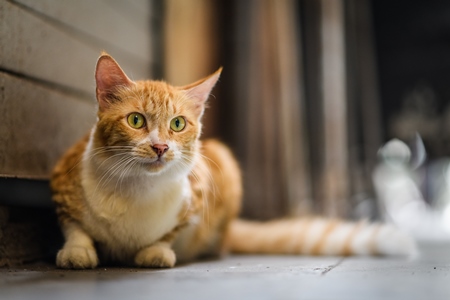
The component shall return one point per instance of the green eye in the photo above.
(136, 120)
(177, 124)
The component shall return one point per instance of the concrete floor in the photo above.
(245, 277)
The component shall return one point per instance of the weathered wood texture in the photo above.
(43, 42)
(48, 52)
(37, 125)
(103, 22)
(334, 179)
(365, 137)
(271, 143)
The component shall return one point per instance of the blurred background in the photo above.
(311, 91)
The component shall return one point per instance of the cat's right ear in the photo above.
(109, 77)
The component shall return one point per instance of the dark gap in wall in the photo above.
(25, 192)
(29, 229)
(157, 39)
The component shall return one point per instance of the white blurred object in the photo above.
(397, 179)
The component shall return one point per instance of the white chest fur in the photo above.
(134, 214)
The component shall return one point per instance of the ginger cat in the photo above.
(141, 189)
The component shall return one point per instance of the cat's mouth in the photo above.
(154, 164)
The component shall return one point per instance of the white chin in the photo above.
(155, 167)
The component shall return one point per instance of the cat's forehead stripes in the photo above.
(159, 98)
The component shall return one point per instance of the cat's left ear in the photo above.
(199, 91)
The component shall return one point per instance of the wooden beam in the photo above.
(334, 179)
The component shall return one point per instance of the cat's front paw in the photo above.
(156, 256)
(77, 257)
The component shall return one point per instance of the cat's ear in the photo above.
(109, 77)
(199, 91)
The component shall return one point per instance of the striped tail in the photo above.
(318, 236)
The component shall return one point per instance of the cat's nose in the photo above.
(160, 149)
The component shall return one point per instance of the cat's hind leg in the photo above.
(78, 251)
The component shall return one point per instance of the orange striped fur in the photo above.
(138, 190)
(318, 236)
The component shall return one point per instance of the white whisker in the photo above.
(111, 172)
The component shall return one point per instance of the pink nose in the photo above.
(160, 149)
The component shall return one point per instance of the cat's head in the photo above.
(147, 125)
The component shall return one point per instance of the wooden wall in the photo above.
(48, 52)
(301, 105)
(297, 100)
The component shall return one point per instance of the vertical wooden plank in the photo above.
(189, 41)
(335, 172)
(369, 92)
(276, 178)
(354, 122)
(295, 169)
(312, 51)
(260, 139)
(365, 128)
(190, 47)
